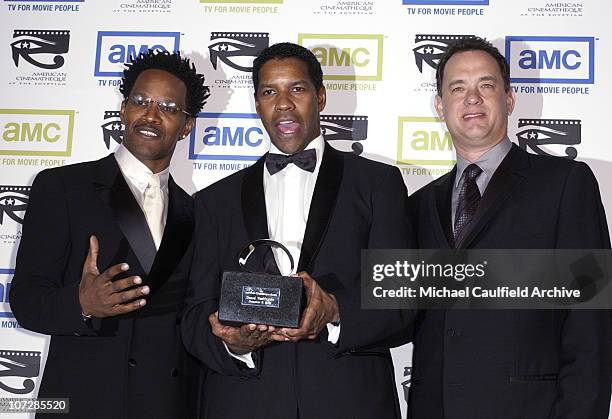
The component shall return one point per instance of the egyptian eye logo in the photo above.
(430, 48)
(24, 364)
(13, 202)
(430, 53)
(237, 50)
(333, 131)
(112, 128)
(345, 129)
(539, 132)
(28, 43)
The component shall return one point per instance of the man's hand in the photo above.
(100, 296)
(241, 340)
(321, 308)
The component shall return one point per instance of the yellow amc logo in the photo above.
(346, 57)
(36, 132)
(424, 141)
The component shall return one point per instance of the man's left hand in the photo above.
(321, 308)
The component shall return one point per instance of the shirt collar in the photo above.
(136, 171)
(488, 162)
(318, 144)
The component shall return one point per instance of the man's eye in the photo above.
(168, 108)
(139, 101)
(298, 89)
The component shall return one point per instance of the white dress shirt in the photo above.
(137, 174)
(288, 195)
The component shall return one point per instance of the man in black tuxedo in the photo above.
(505, 363)
(325, 206)
(103, 258)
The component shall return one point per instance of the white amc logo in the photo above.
(424, 141)
(346, 57)
(551, 59)
(115, 48)
(36, 132)
(228, 136)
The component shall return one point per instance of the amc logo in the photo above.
(36, 132)
(346, 57)
(551, 59)
(114, 49)
(424, 141)
(5, 288)
(227, 136)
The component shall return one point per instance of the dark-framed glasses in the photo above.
(165, 106)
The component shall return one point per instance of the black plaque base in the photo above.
(273, 300)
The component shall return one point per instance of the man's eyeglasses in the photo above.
(165, 106)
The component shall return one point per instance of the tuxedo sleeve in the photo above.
(585, 367)
(42, 298)
(389, 229)
(205, 281)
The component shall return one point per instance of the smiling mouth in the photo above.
(287, 127)
(473, 115)
(148, 132)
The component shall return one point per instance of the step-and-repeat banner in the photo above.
(62, 61)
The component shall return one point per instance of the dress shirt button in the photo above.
(132, 362)
(450, 332)
(174, 373)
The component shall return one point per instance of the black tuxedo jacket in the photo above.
(357, 204)
(130, 366)
(514, 363)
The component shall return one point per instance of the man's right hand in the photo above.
(100, 296)
(241, 340)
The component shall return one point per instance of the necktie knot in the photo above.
(472, 172)
(305, 160)
(154, 181)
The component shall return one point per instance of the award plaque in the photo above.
(261, 298)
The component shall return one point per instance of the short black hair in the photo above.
(173, 63)
(473, 43)
(289, 50)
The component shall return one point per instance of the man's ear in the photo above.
(510, 101)
(321, 98)
(122, 111)
(439, 106)
(188, 127)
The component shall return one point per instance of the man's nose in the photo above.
(152, 112)
(473, 96)
(284, 102)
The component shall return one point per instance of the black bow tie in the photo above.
(305, 160)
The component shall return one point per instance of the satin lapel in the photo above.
(176, 238)
(115, 193)
(505, 180)
(440, 208)
(322, 205)
(255, 217)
